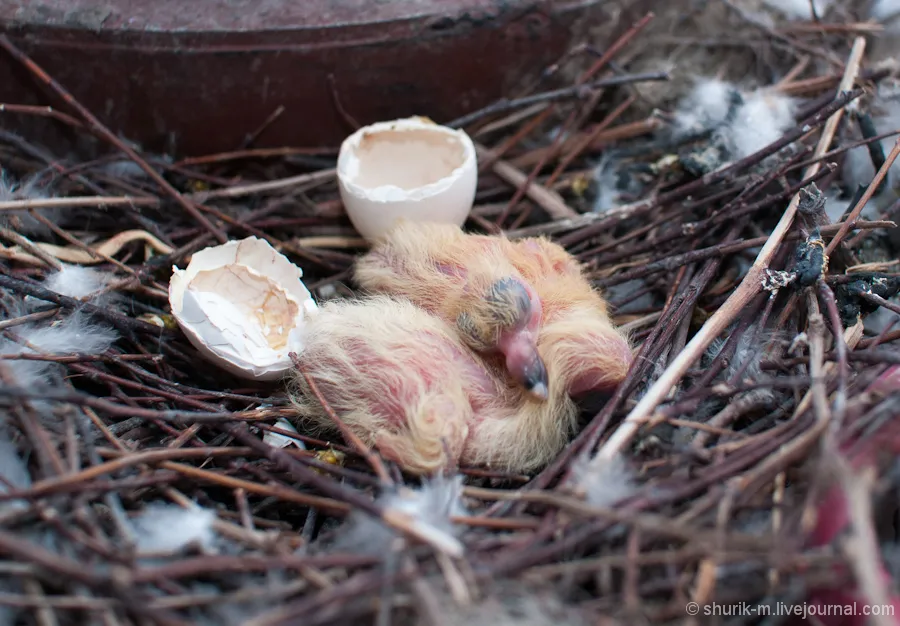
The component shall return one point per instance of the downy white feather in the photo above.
(76, 334)
(431, 505)
(13, 471)
(77, 281)
(171, 528)
(28, 189)
(604, 483)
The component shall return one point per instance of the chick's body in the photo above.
(403, 380)
(470, 283)
(573, 335)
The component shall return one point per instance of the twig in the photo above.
(109, 136)
(862, 548)
(116, 319)
(837, 332)
(816, 333)
(361, 448)
(580, 91)
(548, 200)
(848, 222)
(746, 291)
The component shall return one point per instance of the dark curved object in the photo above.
(199, 76)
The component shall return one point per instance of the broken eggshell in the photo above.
(242, 305)
(408, 168)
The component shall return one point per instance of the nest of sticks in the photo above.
(746, 461)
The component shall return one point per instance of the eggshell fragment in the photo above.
(242, 305)
(277, 440)
(409, 168)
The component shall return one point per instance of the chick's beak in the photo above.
(524, 364)
(534, 378)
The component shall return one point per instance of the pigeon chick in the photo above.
(470, 283)
(480, 283)
(404, 381)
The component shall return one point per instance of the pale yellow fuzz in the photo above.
(405, 383)
(574, 312)
(418, 261)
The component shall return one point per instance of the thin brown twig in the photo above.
(748, 288)
(97, 125)
(361, 448)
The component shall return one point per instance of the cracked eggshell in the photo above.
(408, 168)
(243, 306)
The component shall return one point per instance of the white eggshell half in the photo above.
(409, 168)
(243, 306)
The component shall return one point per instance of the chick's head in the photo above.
(507, 318)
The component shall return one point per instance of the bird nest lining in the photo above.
(743, 234)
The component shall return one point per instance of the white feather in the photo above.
(761, 120)
(77, 281)
(743, 122)
(431, 506)
(170, 528)
(75, 334)
(604, 483)
(608, 194)
(799, 9)
(705, 107)
(13, 471)
(28, 189)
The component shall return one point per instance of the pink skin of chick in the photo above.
(404, 381)
(519, 347)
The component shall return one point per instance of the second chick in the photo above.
(404, 381)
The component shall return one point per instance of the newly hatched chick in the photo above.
(406, 383)
(469, 282)
(566, 313)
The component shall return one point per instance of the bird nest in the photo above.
(744, 468)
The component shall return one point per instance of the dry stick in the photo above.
(30, 246)
(373, 459)
(746, 291)
(840, 398)
(592, 224)
(43, 111)
(78, 201)
(555, 146)
(874, 298)
(794, 447)
(80, 244)
(118, 320)
(303, 181)
(816, 331)
(395, 518)
(847, 224)
(577, 91)
(862, 548)
(547, 199)
(582, 145)
(98, 126)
